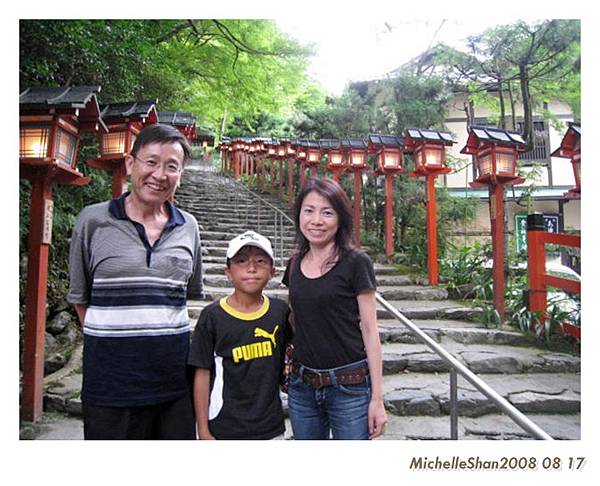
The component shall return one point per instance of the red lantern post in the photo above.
(290, 154)
(256, 155)
(429, 154)
(230, 156)
(51, 121)
(335, 155)
(224, 147)
(300, 148)
(243, 158)
(281, 154)
(259, 154)
(495, 153)
(356, 153)
(313, 157)
(238, 147)
(389, 149)
(124, 120)
(272, 153)
(249, 154)
(570, 148)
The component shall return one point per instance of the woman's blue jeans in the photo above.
(339, 410)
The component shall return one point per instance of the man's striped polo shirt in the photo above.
(136, 329)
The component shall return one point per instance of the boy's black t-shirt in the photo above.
(327, 320)
(245, 354)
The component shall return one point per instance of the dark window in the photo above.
(539, 153)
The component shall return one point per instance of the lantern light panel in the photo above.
(51, 120)
(390, 150)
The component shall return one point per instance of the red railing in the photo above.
(539, 280)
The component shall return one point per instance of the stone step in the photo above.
(488, 427)
(213, 293)
(252, 220)
(231, 208)
(385, 269)
(221, 260)
(428, 394)
(221, 251)
(443, 331)
(209, 220)
(387, 280)
(411, 309)
(442, 336)
(479, 358)
(406, 292)
(236, 229)
(225, 236)
(221, 281)
(217, 267)
(431, 309)
(412, 292)
(288, 242)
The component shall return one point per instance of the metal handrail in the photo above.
(455, 365)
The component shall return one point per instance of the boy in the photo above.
(238, 350)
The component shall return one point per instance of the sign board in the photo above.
(551, 225)
(47, 228)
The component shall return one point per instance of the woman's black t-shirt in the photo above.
(327, 319)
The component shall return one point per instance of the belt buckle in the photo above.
(320, 381)
(314, 379)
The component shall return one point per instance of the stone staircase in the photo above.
(543, 384)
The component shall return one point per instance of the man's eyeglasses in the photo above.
(171, 168)
(259, 262)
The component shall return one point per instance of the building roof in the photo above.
(426, 134)
(299, 142)
(329, 144)
(69, 97)
(377, 140)
(498, 136)
(131, 109)
(177, 118)
(80, 101)
(354, 143)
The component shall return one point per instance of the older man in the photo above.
(133, 263)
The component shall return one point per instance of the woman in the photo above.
(336, 380)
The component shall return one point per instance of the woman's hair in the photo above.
(335, 194)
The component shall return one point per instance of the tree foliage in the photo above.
(210, 67)
(528, 64)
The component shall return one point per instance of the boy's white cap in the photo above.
(249, 238)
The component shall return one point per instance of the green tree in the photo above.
(529, 64)
(214, 68)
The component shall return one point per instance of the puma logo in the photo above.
(258, 332)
